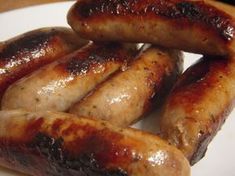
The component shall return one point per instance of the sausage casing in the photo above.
(130, 94)
(198, 105)
(47, 144)
(167, 23)
(25, 53)
(64, 82)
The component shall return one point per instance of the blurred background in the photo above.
(6, 5)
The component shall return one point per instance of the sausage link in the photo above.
(62, 83)
(48, 144)
(129, 95)
(25, 53)
(194, 26)
(198, 105)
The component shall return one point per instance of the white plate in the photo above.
(220, 158)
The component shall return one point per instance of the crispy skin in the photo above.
(62, 83)
(198, 105)
(129, 95)
(25, 53)
(47, 144)
(194, 26)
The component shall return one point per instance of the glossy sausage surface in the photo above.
(28, 52)
(130, 94)
(199, 105)
(62, 83)
(194, 26)
(48, 144)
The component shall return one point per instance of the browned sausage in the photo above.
(48, 144)
(64, 82)
(129, 95)
(198, 105)
(194, 26)
(25, 53)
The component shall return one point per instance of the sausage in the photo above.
(62, 83)
(25, 53)
(198, 105)
(129, 95)
(194, 26)
(50, 143)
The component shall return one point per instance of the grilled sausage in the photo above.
(198, 105)
(129, 95)
(24, 54)
(62, 83)
(47, 144)
(194, 26)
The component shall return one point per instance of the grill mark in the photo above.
(52, 156)
(46, 156)
(22, 55)
(29, 43)
(188, 12)
(68, 164)
(105, 145)
(97, 55)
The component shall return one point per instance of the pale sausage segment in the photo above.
(129, 95)
(62, 83)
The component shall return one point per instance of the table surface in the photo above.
(6, 5)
